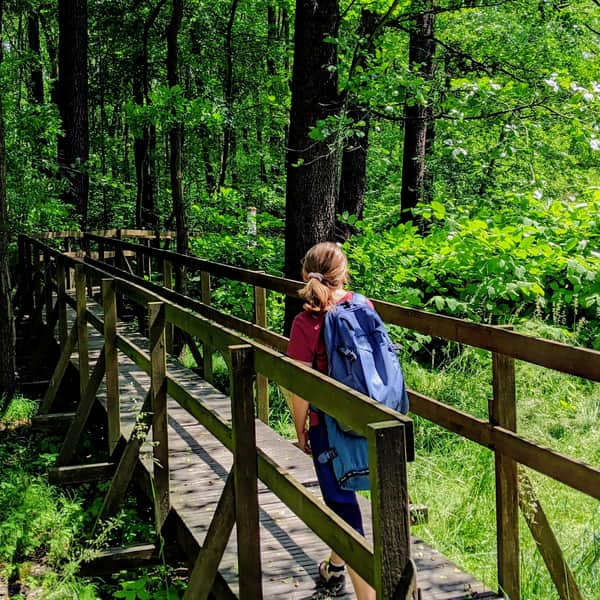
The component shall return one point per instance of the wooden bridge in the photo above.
(232, 498)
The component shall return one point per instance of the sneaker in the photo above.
(332, 578)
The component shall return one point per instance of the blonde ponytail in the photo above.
(325, 271)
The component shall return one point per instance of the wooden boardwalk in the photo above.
(199, 465)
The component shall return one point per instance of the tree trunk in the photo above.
(228, 127)
(144, 142)
(36, 82)
(311, 165)
(353, 177)
(7, 324)
(176, 145)
(417, 116)
(73, 145)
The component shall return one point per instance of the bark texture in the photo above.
(418, 124)
(7, 324)
(311, 165)
(72, 96)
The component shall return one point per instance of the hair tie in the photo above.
(317, 276)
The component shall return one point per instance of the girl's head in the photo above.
(325, 270)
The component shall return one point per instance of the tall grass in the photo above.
(455, 477)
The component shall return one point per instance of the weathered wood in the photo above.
(547, 544)
(168, 284)
(82, 333)
(83, 412)
(245, 472)
(121, 558)
(52, 421)
(554, 355)
(503, 412)
(61, 290)
(113, 406)
(341, 402)
(207, 351)
(75, 474)
(48, 287)
(389, 501)
(59, 371)
(124, 473)
(160, 435)
(262, 383)
(331, 528)
(215, 542)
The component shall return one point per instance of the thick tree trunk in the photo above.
(228, 127)
(36, 82)
(176, 144)
(311, 165)
(7, 324)
(417, 116)
(353, 178)
(73, 146)
(144, 142)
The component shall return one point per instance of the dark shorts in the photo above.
(342, 502)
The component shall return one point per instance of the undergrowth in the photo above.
(455, 477)
(43, 540)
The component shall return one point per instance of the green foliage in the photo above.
(455, 477)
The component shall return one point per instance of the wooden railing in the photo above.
(389, 434)
(498, 432)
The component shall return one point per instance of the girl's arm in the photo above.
(300, 414)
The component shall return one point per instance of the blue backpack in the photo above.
(361, 356)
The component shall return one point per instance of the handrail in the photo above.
(564, 358)
(220, 331)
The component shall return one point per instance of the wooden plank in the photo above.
(210, 555)
(59, 371)
(331, 528)
(48, 287)
(546, 541)
(503, 412)
(112, 560)
(191, 344)
(245, 472)
(52, 421)
(61, 283)
(341, 402)
(207, 351)
(75, 474)
(82, 333)
(168, 284)
(124, 473)
(158, 388)
(390, 516)
(262, 383)
(83, 412)
(113, 406)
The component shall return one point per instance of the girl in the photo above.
(325, 271)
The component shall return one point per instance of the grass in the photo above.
(42, 529)
(455, 477)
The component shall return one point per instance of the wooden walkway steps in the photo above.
(199, 466)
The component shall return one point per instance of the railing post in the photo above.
(160, 436)
(207, 369)
(30, 275)
(113, 408)
(168, 283)
(245, 472)
(37, 285)
(61, 282)
(262, 383)
(503, 412)
(67, 248)
(389, 499)
(82, 333)
(48, 286)
(85, 242)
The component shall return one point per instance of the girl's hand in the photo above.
(303, 442)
